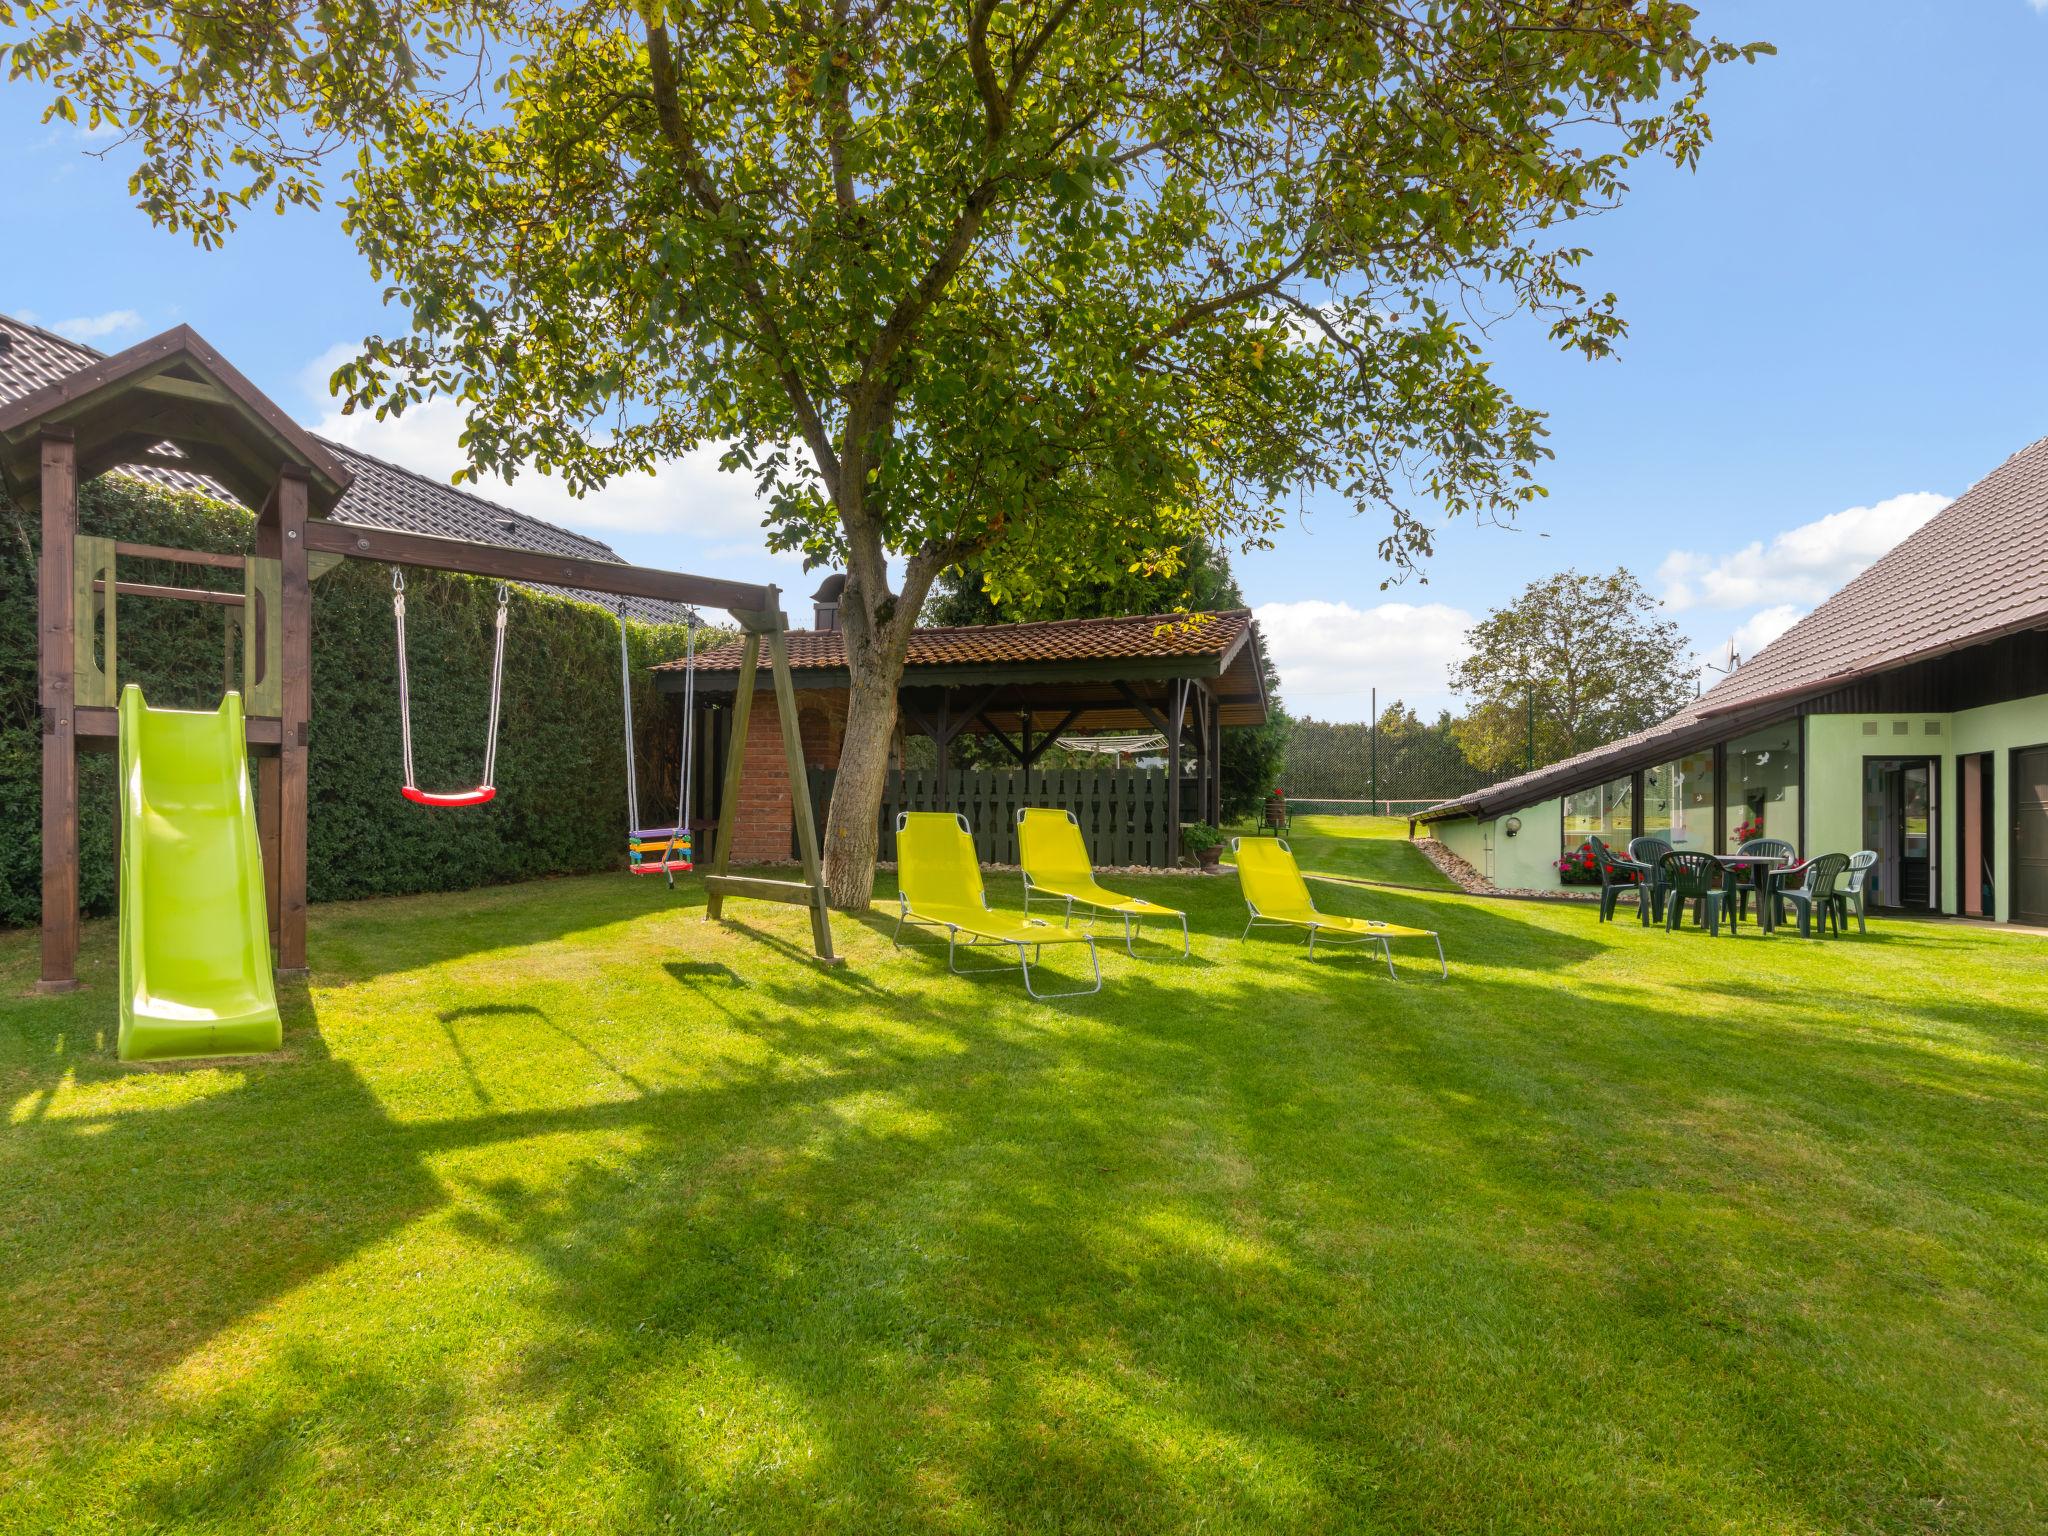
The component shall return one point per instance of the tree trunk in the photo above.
(877, 628)
(851, 822)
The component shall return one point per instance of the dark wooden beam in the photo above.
(295, 627)
(1051, 736)
(1020, 751)
(97, 724)
(1158, 720)
(55, 660)
(1213, 756)
(393, 547)
(1176, 720)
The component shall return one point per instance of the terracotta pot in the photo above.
(1209, 858)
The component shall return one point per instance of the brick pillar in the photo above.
(766, 821)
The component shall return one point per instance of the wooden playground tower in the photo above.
(173, 402)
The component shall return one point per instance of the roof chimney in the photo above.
(825, 602)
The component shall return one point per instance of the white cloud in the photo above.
(690, 496)
(1802, 566)
(115, 322)
(1764, 626)
(1331, 655)
(1746, 639)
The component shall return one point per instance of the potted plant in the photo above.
(1204, 842)
(1578, 868)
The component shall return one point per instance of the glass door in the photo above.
(1898, 822)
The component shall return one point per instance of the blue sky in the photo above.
(1838, 322)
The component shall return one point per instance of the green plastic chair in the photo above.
(1278, 897)
(1763, 879)
(1696, 878)
(938, 885)
(1649, 852)
(1618, 877)
(1854, 888)
(1056, 868)
(1815, 900)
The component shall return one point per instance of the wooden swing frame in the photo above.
(173, 402)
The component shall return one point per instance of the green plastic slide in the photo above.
(195, 940)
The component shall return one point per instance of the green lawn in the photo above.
(563, 1211)
(1363, 848)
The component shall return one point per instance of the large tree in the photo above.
(1045, 284)
(1583, 659)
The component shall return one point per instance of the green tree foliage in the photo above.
(1043, 284)
(1191, 581)
(561, 806)
(1592, 653)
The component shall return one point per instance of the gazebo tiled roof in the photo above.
(1076, 660)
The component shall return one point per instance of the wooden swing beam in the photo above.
(757, 609)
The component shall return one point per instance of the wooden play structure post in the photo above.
(58, 463)
(172, 402)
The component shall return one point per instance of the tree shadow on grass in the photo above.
(1293, 1246)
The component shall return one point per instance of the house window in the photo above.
(1606, 811)
(1678, 802)
(1762, 792)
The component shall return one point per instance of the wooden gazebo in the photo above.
(1022, 686)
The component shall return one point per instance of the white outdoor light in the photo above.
(1512, 825)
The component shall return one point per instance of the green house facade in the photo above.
(1908, 714)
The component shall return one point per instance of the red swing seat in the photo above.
(458, 797)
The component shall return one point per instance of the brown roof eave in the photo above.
(1698, 730)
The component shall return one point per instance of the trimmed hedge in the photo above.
(561, 778)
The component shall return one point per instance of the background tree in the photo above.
(1044, 284)
(1193, 580)
(1592, 652)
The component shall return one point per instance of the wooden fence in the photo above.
(1122, 811)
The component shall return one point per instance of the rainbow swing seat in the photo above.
(660, 851)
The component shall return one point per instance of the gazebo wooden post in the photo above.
(56, 662)
(1213, 754)
(1176, 728)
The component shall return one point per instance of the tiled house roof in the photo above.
(384, 495)
(1975, 571)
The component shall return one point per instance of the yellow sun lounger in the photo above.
(1056, 868)
(938, 884)
(1278, 898)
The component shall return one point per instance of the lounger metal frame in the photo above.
(1133, 921)
(954, 930)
